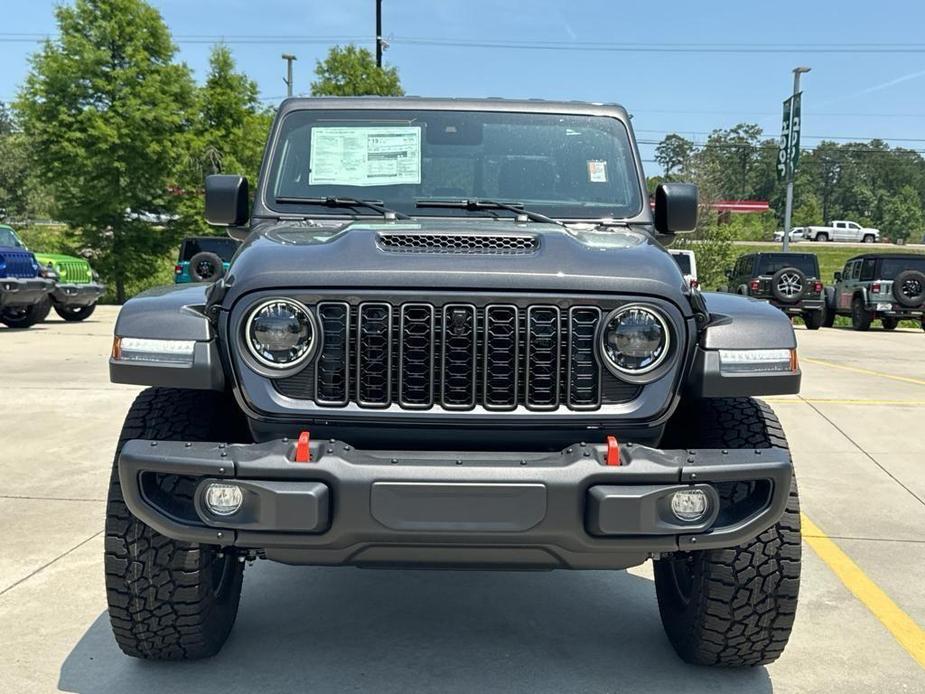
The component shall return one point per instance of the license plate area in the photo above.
(458, 507)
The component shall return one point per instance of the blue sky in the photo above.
(847, 95)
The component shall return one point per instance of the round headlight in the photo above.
(635, 339)
(280, 333)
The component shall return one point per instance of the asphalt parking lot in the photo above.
(858, 436)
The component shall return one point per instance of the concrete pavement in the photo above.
(858, 445)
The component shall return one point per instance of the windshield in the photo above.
(890, 267)
(8, 238)
(772, 262)
(222, 247)
(563, 166)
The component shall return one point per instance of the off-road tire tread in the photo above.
(73, 316)
(744, 610)
(161, 603)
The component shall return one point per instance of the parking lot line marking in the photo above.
(903, 628)
(857, 369)
(846, 401)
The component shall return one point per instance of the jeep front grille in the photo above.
(74, 272)
(467, 244)
(457, 356)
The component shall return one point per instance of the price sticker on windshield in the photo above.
(364, 156)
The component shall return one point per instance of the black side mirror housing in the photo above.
(226, 200)
(838, 276)
(728, 273)
(675, 208)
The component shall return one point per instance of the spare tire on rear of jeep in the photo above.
(205, 267)
(909, 288)
(788, 285)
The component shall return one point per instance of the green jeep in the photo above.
(77, 286)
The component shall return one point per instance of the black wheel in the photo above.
(21, 316)
(44, 308)
(822, 237)
(860, 316)
(889, 323)
(828, 316)
(868, 238)
(205, 267)
(75, 313)
(788, 285)
(732, 607)
(814, 319)
(169, 600)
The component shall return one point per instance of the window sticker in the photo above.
(362, 156)
(597, 171)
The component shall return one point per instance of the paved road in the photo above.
(859, 449)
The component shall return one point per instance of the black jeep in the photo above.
(888, 287)
(789, 281)
(452, 339)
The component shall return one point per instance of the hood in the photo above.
(489, 255)
(46, 258)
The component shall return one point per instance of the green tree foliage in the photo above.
(352, 71)
(107, 110)
(902, 215)
(228, 135)
(674, 154)
(20, 196)
(860, 181)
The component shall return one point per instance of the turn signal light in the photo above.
(754, 285)
(875, 288)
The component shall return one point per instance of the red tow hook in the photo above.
(302, 453)
(613, 451)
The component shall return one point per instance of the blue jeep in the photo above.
(24, 283)
(204, 258)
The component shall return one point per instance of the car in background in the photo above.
(796, 235)
(687, 261)
(888, 287)
(24, 284)
(77, 287)
(789, 281)
(842, 230)
(204, 258)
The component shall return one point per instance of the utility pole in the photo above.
(379, 41)
(289, 58)
(793, 136)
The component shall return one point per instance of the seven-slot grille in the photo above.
(74, 272)
(457, 356)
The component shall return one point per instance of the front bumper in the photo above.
(503, 510)
(78, 294)
(18, 292)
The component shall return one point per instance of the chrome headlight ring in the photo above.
(651, 371)
(267, 366)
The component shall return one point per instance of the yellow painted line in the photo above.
(869, 372)
(903, 628)
(844, 401)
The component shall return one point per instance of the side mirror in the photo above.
(675, 208)
(838, 277)
(226, 200)
(728, 273)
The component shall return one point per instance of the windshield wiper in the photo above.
(375, 205)
(475, 205)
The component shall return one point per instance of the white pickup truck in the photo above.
(841, 230)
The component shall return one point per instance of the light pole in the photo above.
(379, 40)
(289, 58)
(788, 208)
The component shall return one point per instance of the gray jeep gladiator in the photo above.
(453, 339)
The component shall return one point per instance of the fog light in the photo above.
(689, 504)
(223, 499)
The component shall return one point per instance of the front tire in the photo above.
(75, 313)
(21, 318)
(732, 607)
(168, 600)
(889, 323)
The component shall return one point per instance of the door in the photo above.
(845, 289)
(852, 232)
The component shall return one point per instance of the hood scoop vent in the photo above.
(462, 244)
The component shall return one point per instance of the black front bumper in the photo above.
(505, 510)
(78, 294)
(16, 292)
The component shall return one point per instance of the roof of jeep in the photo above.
(453, 104)
(882, 254)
